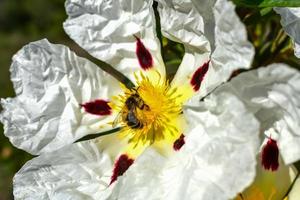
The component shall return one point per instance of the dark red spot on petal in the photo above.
(143, 54)
(269, 155)
(97, 107)
(179, 143)
(121, 166)
(198, 76)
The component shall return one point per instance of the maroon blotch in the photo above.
(121, 166)
(198, 76)
(179, 143)
(143, 55)
(97, 107)
(269, 155)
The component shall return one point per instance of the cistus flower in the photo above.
(272, 96)
(280, 147)
(171, 143)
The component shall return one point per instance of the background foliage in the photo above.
(30, 20)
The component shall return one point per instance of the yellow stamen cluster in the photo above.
(158, 118)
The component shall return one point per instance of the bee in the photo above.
(129, 112)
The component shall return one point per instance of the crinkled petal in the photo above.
(107, 30)
(210, 31)
(77, 171)
(290, 20)
(51, 82)
(181, 22)
(216, 162)
(233, 50)
(273, 95)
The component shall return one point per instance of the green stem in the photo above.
(158, 27)
(105, 67)
(93, 136)
(112, 71)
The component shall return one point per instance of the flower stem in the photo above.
(158, 27)
(93, 136)
(104, 66)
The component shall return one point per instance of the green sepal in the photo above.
(96, 135)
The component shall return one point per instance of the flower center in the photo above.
(149, 112)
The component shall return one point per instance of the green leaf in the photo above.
(268, 3)
(265, 11)
(280, 3)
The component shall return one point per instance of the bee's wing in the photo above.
(117, 120)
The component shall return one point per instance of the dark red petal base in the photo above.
(143, 55)
(269, 155)
(121, 166)
(97, 107)
(179, 143)
(198, 76)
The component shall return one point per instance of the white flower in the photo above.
(272, 95)
(206, 152)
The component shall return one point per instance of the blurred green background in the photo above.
(22, 21)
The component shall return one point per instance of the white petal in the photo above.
(106, 29)
(50, 82)
(211, 31)
(290, 20)
(77, 171)
(216, 162)
(233, 50)
(273, 95)
(181, 22)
